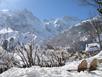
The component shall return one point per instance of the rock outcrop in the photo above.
(93, 65)
(82, 66)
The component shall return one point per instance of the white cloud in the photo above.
(8, 1)
(6, 4)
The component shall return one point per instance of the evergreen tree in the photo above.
(99, 6)
(5, 44)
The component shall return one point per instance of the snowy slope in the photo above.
(7, 33)
(37, 71)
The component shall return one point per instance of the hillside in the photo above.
(80, 34)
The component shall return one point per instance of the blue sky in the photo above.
(46, 9)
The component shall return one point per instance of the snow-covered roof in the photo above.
(93, 44)
(92, 47)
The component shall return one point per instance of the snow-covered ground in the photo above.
(37, 71)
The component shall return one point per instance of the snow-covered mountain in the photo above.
(79, 34)
(23, 22)
(56, 26)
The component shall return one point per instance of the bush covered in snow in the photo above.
(30, 55)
